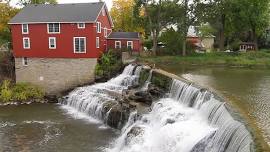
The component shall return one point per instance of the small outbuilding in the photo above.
(125, 40)
(247, 46)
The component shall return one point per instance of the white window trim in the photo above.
(97, 42)
(27, 29)
(105, 32)
(78, 25)
(131, 44)
(54, 38)
(98, 26)
(53, 32)
(74, 49)
(23, 61)
(29, 46)
(115, 44)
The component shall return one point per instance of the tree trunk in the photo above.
(221, 40)
(184, 49)
(155, 41)
(255, 39)
(221, 34)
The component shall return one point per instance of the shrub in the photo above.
(109, 64)
(19, 92)
(5, 91)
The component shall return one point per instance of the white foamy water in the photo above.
(88, 102)
(189, 120)
(169, 127)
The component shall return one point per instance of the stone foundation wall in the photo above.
(56, 75)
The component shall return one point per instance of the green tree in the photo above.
(173, 41)
(215, 12)
(6, 13)
(157, 16)
(122, 14)
(250, 16)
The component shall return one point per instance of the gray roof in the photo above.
(42, 13)
(124, 35)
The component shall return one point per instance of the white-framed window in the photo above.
(25, 61)
(117, 44)
(53, 28)
(25, 29)
(52, 42)
(26, 43)
(81, 25)
(105, 32)
(130, 45)
(98, 27)
(79, 44)
(97, 42)
(103, 12)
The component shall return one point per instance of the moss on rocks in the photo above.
(161, 81)
(144, 76)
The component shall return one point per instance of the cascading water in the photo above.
(189, 120)
(90, 100)
(148, 81)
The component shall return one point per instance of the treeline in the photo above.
(230, 21)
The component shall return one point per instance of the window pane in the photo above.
(50, 27)
(56, 27)
(26, 43)
(97, 42)
(77, 40)
(81, 25)
(25, 61)
(25, 28)
(82, 45)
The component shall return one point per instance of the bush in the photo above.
(5, 91)
(109, 64)
(19, 92)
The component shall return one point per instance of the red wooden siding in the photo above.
(39, 40)
(136, 44)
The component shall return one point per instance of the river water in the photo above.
(50, 128)
(248, 88)
(182, 122)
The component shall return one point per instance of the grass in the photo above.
(249, 59)
(19, 92)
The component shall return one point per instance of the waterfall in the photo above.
(190, 119)
(93, 100)
(148, 81)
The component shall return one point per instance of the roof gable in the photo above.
(45, 13)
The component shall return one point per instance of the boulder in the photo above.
(141, 96)
(156, 91)
(117, 115)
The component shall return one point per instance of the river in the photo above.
(50, 127)
(170, 127)
(248, 88)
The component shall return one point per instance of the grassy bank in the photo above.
(20, 92)
(249, 59)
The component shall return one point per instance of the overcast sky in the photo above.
(108, 2)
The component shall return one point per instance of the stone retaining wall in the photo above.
(56, 75)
